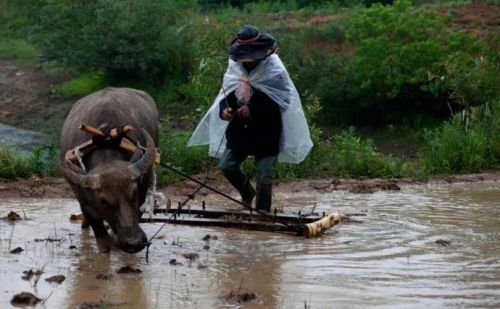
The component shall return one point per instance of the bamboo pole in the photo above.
(317, 228)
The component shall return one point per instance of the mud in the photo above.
(17, 250)
(28, 99)
(478, 17)
(56, 279)
(443, 242)
(240, 297)
(36, 187)
(128, 270)
(58, 188)
(24, 299)
(429, 245)
(12, 216)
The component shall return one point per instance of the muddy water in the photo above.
(390, 260)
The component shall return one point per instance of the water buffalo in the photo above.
(115, 182)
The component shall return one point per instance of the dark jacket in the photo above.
(260, 135)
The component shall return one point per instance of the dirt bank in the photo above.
(58, 188)
(28, 99)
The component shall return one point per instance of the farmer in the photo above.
(259, 113)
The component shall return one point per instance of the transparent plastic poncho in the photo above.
(271, 78)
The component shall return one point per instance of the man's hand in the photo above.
(227, 113)
(244, 112)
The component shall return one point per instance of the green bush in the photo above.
(210, 54)
(413, 60)
(41, 162)
(469, 142)
(129, 39)
(471, 81)
(174, 152)
(316, 165)
(12, 165)
(355, 157)
(18, 49)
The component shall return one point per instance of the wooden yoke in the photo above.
(89, 146)
(114, 133)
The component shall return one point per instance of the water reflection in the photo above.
(95, 279)
(249, 254)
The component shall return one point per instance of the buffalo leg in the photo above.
(101, 235)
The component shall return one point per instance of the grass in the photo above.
(81, 85)
(174, 152)
(18, 49)
(450, 148)
(14, 165)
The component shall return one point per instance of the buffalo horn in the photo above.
(79, 179)
(143, 165)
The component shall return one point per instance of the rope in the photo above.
(264, 214)
(204, 184)
(190, 196)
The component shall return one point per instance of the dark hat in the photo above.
(252, 45)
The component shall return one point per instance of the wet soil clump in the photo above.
(24, 299)
(17, 250)
(13, 216)
(240, 297)
(191, 256)
(56, 279)
(102, 277)
(443, 242)
(128, 270)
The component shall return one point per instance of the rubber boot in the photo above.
(264, 197)
(242, 184)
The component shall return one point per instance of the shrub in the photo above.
(128, 39)
(175, 153)
(413, 60)
(210, 62)
(317, 164)
(41, 161)
(469, 142)
(22, 51)
(12, 165)
(355, 157)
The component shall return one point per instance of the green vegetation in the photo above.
(175, 153)
(383, 74)
(129, 40)
(41, 162)
(469, 142)
(81, 85)
(22, 51)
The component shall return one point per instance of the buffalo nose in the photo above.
(133, 244)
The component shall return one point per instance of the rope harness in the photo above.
(105, 137)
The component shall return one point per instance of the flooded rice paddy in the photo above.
(421, 247)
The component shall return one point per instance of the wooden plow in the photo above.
(312, 225)
(303, 225)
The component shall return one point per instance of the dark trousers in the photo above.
(230, 165)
